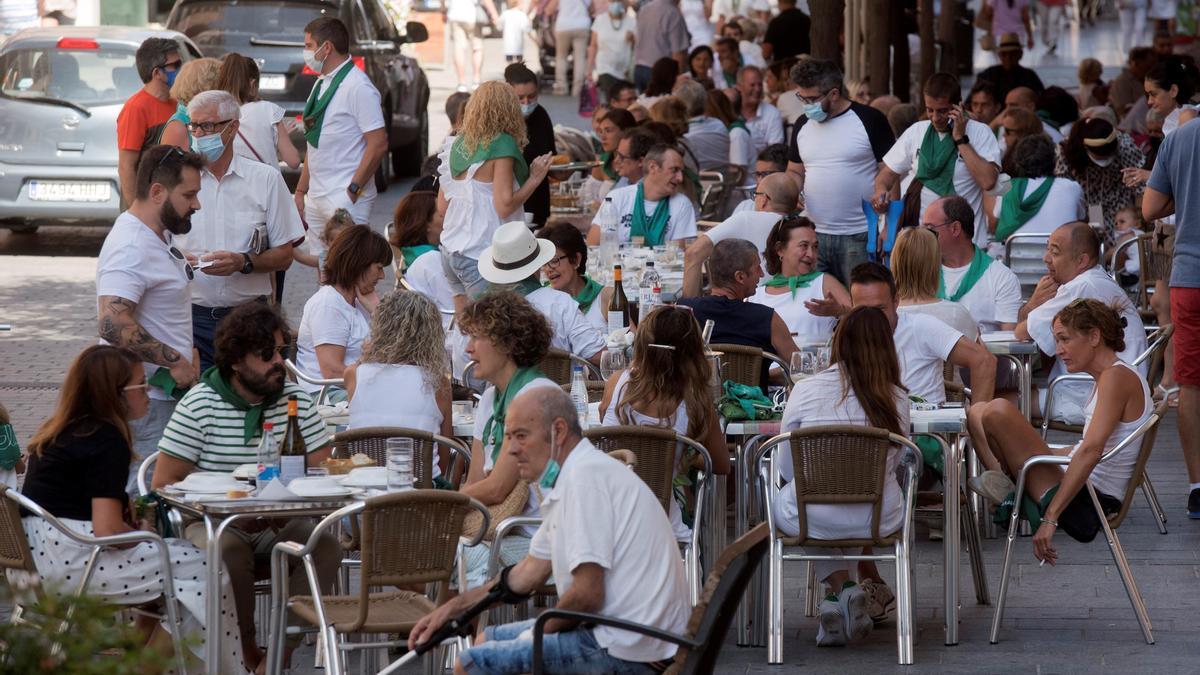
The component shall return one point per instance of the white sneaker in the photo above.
(831, 629)
(992, 485)
(854, 607)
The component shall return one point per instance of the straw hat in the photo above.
(515, 254)
(1009, 42)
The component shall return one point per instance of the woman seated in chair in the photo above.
(78, 465)
(808, 301)
(861, 387)
(336, 318)
(667, 385)
(1088, 335)
(916, 264)
(417, 231)
(506, 338)
(567, 272)
(401, 379)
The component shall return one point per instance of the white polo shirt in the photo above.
(572, 331)
(681, 220)
(766, 128)
(354, 110)
(923, 344)
(996, 297)
(136, 265)
(600, 512)
(250, 198)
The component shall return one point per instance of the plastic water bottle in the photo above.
(606, 218)
(267, 455)
(579, 394)
(649, 291)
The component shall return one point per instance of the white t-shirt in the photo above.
(995, 298)
(614, 51)
(698, 25)
(1064, 203)
(573, 15)
(514, 24)
(741, 152)
(766, 128)
(136, 265)
(681, 221)
(462, 11)
(732, 8)
(902, 159)
(483, 412)
(600, 512)
(354, 110)
(950, 313)
(753, 226)
(1162, 9)
(258, 120)
(709, 140)
(427, 276)
(329, 320)
(376, 404)
(471, 217)
(923, 344)
(572, 332)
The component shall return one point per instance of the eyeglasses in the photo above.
(206, 127)
(187, 267)
(136, 386)
(809, 100)
(933, 226)
(759, 193)
(553, 262)
(269, 353)
(172, 151)
(619, 156)
(173, 65)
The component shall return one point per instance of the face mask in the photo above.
(815, 112)
(1101, 161)
(171, 77)
(310, 60)
(528, 108)
(211, 146)
(616, 11)
(550, 473)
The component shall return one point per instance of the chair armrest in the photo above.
(539, 628)
(1048, 410)
(300, 375)
(295, 549)
(503, 530)
(36, 509)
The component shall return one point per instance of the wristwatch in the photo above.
(355, 189)
(965, 140)
(248, 266)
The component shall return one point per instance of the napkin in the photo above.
(276, 492)
(999, 336)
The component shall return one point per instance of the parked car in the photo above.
(272, 33)
(61, 89)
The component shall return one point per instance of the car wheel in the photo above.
(408, 160)
(23, 229)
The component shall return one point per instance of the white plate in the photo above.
(366, 477)
(301, 491)
(207, 489)
(246, 471)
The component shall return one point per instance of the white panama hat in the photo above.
(515, 254)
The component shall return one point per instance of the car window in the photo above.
(270, 20)
(87, 77)
(383, 22)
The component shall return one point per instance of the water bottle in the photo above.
(649, 291)
(267, 455)
(579, 394)
(606, 218)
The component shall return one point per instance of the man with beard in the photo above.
(218, 426)
(142, 286)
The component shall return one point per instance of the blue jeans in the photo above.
(641, 77)
(838, 254)
(574, 651)
(204, 329)
(147, 431)
(462, 273)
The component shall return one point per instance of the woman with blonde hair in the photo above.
(671, 111)
(194, 77)
(916, 264)
(484, 183)
(667, 385)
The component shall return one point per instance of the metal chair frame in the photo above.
(1013, 239)
(747, 351)
(324, 383)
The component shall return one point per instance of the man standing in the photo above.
(142, 280)
(836, 149)
(949, 153)
(706, 136)
(343, 123)
(654, 209)
(605, 541)
(762, 119)
(538, 129)
(141, 120)
(787, 33)
(661, 33)
(1172, 189)
(246, 224)
(1009, 73)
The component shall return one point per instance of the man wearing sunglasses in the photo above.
(141, 120)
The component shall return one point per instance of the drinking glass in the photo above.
(611, 361)
(824, 355)
(399, 463)
(802, 365)
(464, 412)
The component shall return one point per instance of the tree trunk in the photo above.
(928, 47)
(878, 46)
(827, 16)
(946, 37)
(901, 62)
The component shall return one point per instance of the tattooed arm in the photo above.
(118, 327)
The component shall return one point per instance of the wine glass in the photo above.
(612, 361)
(803, 364)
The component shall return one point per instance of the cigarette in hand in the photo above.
(1042, 563)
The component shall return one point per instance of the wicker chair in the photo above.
(841, 464)
(372, 442)
(408, 538)
(743, 364)
(1147, 433)
(700, 644)
(557, 366)
(325, 384)
(15, 555)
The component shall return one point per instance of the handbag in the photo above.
(513, 505)
(987, 42)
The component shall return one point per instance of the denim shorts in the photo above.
(574, 651)
(462, 274)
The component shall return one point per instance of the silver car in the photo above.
(61, 89)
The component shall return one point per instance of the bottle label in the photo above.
(291, 467)
(616, 321)
(645, 297)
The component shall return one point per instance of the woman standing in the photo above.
(1011, 16)
(194, 77)
(485, 182)
(78, 466)
(263, 134)
(1094, 155)
(567, 272)
(916, 264)
(417, 231)
(808, 301)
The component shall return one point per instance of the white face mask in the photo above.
(1102, 161)
(310, 60)
(528, 108)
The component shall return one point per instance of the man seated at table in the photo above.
(1073, 271)
(772, 160)
(923, 344)
(606, 543)
(217, 426)
(734, 272)
(774, 198)
(654, 209)
(630, 158)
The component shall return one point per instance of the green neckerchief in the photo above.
(606, 160)
(411, 253)
(1016, 210)
(936, 157)
(10, 450)
(798, 281)
(979, 264)
(654, 229)
(739, 123)
(1045, 117)
(494, 428)
(254, 413)
(591, 291)
(314, 107)
(503, 145)
(730, 80)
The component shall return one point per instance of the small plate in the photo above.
(309, 493)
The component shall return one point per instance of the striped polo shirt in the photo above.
(206, 430)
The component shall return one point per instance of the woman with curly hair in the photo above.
(667, 385)
(194, 77)
(507, 338)
(484, 183)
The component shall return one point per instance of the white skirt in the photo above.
(132, 576)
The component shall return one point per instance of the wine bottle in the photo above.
(618, 306)
(293, 452)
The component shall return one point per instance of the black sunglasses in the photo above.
(173, 65)
(269, 353)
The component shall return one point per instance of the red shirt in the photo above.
(141, 114)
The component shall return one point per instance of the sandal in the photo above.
(1170, 395)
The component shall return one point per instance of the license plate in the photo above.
(65, 191)
(272, 82)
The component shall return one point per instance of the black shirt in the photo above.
(540, 131)
(736, 322)
(788, 34)
(88, 460)
(1007, 80)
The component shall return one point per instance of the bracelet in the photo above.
(1052, 522)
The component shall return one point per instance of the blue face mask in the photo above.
(170, 76)
(815, 112)
(211, 146)
(528, 108)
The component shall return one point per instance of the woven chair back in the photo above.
(1139, 467)
(557, 366)
(740, 363)
(655, 452)
(839, 464)
(411, 537)
(372, 442)
(14, 546)
(950, 377)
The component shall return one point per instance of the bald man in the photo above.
(1073, 271)
(1024, 97)
(774, 198)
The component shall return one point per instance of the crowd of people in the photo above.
(189, 277)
